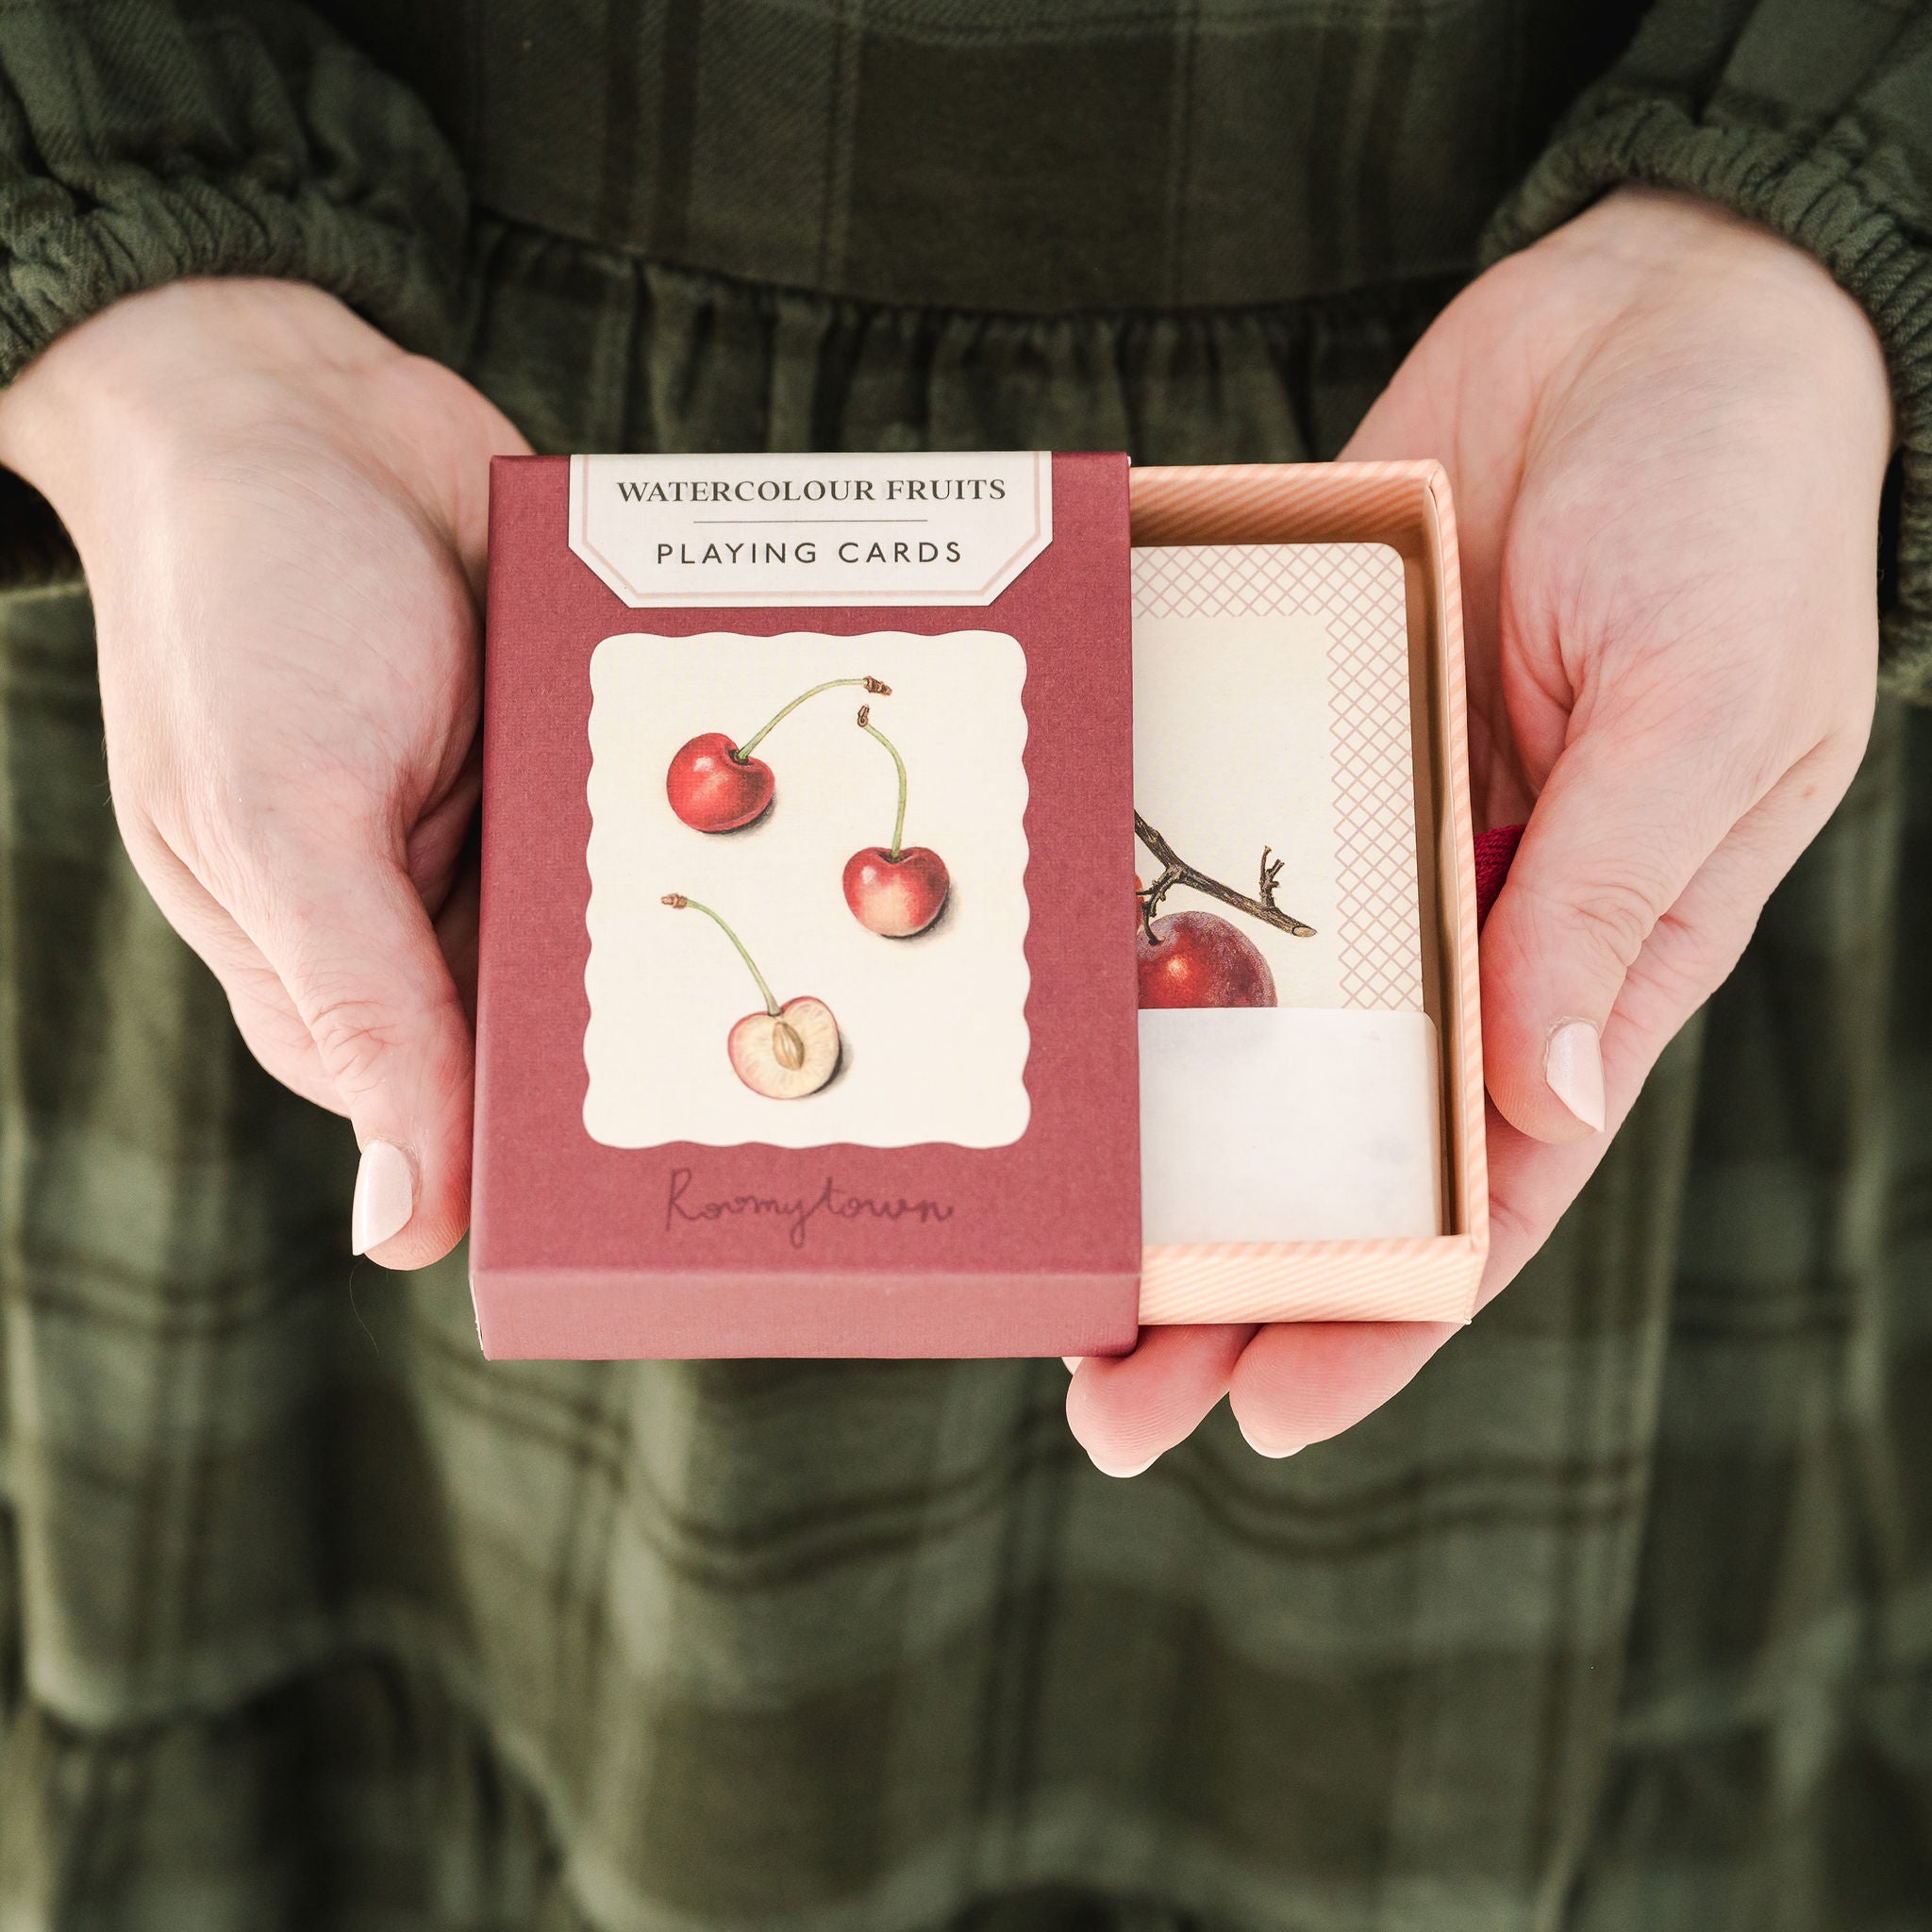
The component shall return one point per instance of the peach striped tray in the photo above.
(1407, 505)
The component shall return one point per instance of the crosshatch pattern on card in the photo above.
(1355, 590)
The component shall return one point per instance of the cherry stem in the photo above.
(1175, 871)
(866, 724)
(678, 902)
(871, 684)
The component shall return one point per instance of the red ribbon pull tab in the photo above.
(1493, 852)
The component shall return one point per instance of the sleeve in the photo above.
(1813, 117)
(145, 140)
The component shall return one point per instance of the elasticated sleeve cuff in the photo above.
(144, 142)
(1855, 207)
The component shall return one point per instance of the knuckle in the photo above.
(1610, 920)
(1510, 1226)
(353, 1038)
(1691, 963)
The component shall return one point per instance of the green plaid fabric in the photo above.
(1620, 1616)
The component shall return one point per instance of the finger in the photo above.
(272, 1030)
(342, 992)
(459, 932)
(354, 946)
(1301, 1382)
(1297, 1384)
(1127, 1410)
(1689, 955)
(1616, 837)
(264, 1016)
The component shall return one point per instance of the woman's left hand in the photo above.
(1667, 431)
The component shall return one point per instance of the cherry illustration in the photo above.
(784, 1052)
(716, 786)
(1199, 959)
(895, 890)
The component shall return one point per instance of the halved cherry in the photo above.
(784, 1052)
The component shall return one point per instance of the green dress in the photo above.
(1620, 1616)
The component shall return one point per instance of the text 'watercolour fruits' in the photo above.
(897, 889)
(715, 785)
(784, 1052)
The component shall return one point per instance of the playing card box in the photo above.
(818, 1014)
(805, 1019)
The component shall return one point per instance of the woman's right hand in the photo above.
(1669, 431)
(282, 518)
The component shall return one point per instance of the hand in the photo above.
(282, 519)
(1667, 432)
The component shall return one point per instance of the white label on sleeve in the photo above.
(925, 527)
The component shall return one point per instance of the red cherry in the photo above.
(896, 897)
(1198, 960)
(712, 789)
(714, 786)
(894, 890)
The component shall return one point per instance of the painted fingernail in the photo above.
(385, 1196)
(1139, 1468)
(1272, 1454)
(1573, 1066)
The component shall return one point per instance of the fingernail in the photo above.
(1139, 1468)
(1573, 1066)
(1272, 1454)
(385, 1196)
(1072, 1362)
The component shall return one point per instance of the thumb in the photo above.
(1615, 840)
(355, 951)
